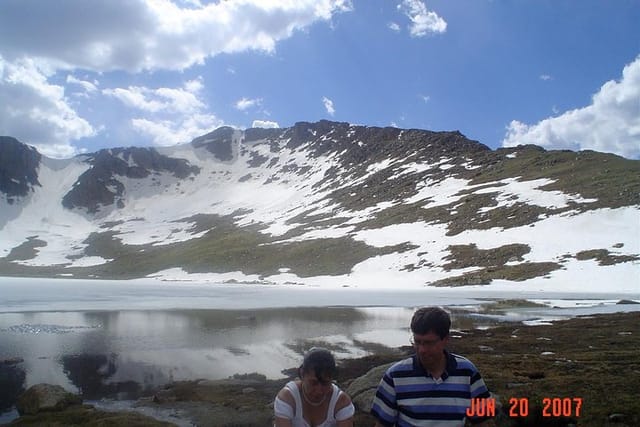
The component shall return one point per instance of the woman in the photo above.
(313, 400)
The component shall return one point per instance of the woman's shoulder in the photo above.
(343, 399)
(285, 393)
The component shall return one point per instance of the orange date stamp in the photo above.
(555, 407)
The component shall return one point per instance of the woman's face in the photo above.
(316, 389)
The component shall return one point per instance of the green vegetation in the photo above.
(27, 250)
(484, 276)
(604, 257)
(228, 248)
(508, 304)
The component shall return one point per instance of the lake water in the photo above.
(117, 339)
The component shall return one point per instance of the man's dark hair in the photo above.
(320, 361)
(431, 319)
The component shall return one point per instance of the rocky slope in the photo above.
(323, 203)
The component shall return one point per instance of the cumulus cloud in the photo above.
(175, 131)
(246, 103)
(265, 124)
(393, 26)
(172, 115)
(545, 77)
(89, 87)
(36, 111)
(328, 105)
(423, 21)
(611, 123)
(43, 42)
(137, 35)
(182, 100)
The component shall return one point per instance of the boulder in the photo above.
(363, 389)
(45, 397)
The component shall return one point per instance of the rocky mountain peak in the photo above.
(324, 199)
(18, 168)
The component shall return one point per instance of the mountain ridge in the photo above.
(315, 203)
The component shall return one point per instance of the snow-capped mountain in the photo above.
(325, 203)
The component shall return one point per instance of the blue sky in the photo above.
(78, 75)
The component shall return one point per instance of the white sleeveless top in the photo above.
(284, 410)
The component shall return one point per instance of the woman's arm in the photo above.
(283, 409)
(281, 422)
(344, 411)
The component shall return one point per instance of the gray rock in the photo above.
(363, 389)
(45, 397)
(617, 418)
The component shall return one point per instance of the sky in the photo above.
(80, 75)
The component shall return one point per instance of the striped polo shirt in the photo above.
(409, 396)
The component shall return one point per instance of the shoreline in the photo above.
(517, 362)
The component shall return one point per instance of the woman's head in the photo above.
(316, 374)
(318, 362)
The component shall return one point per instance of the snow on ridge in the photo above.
(218, 189)
(439, 192)
(512, 191)
(42, 216)
(156, 208)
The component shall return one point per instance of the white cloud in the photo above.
(171, 115)
(423, 21)
(137, 35)
(246, 103)
(265, 124)
(328, 105)
(394, 27)
(37, 112)
(425, 98)
(128, 35)
(182, 100)
(176, 131)
(610, 124)
(89, 87)
(545, 77)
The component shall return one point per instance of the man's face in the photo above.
(429, 348)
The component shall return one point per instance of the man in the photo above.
(433, 387)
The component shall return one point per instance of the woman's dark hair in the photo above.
(431, 319)
(319, 361)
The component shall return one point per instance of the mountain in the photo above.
(325, 203)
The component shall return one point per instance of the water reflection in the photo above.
(122, 354)
(12, 379)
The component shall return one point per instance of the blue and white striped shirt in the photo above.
(409, 396)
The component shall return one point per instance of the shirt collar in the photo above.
(452, 364)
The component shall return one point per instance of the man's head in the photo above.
(431, 319)
(430, 330)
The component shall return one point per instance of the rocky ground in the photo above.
(593, 360)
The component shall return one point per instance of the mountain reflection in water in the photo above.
(124, 352)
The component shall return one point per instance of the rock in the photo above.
(363, 389)
(45, 397)
(617, 418)
(11, 361)
(12, 379)
(164, 396)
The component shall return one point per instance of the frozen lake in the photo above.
(117, 338)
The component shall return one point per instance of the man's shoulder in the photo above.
(403, 365)
(463, 363)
